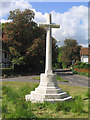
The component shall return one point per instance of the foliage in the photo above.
(26, 15)
(70, 51)
(78, 62)
(56, 66)
(6, 71)
(19, 61)
(37, 48)
(24, 38)
(21, 108)
(19, 34)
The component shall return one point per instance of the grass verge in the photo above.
(15, 106)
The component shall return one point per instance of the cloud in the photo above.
(73, 23)
(4, 21)
(18, 4)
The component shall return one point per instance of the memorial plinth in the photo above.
(48, 89)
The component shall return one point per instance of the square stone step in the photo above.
(48, 91)
(48, 96)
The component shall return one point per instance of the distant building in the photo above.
(85, 54)
(4, 59)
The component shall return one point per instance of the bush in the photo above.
(7, 71)
(56, 66)
(78, 62)
(82, 65)
(88, 65)
(77, 66)
(75, 72)
(64, 66)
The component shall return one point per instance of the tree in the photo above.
(70, 51)
(70, 42)
(25, 39)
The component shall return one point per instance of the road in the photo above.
(73, 79)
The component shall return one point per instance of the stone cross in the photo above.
(48, 26)
(48, 89)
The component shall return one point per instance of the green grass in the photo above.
(36, 78)
(58, 78)
(15, 106)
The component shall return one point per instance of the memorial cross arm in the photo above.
(53, 25)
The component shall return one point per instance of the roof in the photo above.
(85, 51)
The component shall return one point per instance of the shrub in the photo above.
(7, 71)
(77, 66)
(88, 65)
(75, 72)
(78, 62)
(82, 65)
(56, 66)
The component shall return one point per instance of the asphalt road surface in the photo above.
(73, 79)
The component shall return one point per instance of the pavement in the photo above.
(73, 79)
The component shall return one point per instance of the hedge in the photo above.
(6, 71)
(83, 65)
(82, 68)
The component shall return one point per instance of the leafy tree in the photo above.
(54, 51)
(70, 51)
(25, 39)
(70, 43)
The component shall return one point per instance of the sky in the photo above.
(71, 16)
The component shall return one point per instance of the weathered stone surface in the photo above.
(48, 89)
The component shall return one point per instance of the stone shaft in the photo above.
(48, 89)
(48, 68)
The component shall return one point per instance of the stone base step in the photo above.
(48, 91)
(48, 96)
(34, 100)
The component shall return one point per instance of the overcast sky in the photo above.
(72, 17)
